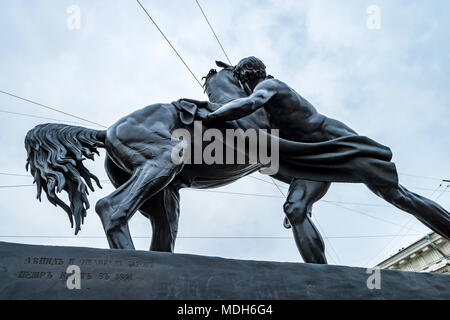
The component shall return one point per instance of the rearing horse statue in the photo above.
(140, 166)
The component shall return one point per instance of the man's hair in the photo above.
(250, 69)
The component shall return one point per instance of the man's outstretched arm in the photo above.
(242, 107)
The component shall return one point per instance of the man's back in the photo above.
(296, 118)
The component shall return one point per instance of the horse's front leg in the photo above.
(116, 209)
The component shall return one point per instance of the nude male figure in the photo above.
(298, 120)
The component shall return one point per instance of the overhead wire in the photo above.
(199, 237)
(50, 108)
(214, 33)
(170, 44)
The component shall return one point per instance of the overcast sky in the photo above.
(390, 84)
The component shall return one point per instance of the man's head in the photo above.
(250, 71)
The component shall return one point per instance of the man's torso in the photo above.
(298, 120)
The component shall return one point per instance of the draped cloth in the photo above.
(352, 159)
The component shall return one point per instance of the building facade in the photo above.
(429, 254)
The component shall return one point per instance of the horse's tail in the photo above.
(55, 158)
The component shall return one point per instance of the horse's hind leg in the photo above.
(163, 211)
(116, 209)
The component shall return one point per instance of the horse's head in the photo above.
(222, 87)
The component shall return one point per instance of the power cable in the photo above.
(38, 117)
(214, 33)
(51, 108)
(170, 44)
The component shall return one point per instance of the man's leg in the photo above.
(302, 195)
(427, 211)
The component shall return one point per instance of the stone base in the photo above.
(39, 272)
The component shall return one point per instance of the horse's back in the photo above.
(146, 134)
(142, 135)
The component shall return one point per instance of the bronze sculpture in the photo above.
(139, 165)
(298, 120)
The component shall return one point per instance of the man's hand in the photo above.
(204, 108)
(199, 104)
(202, 114)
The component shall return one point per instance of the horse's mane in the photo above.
(214, 72)
(227, 88)
(207, 77)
